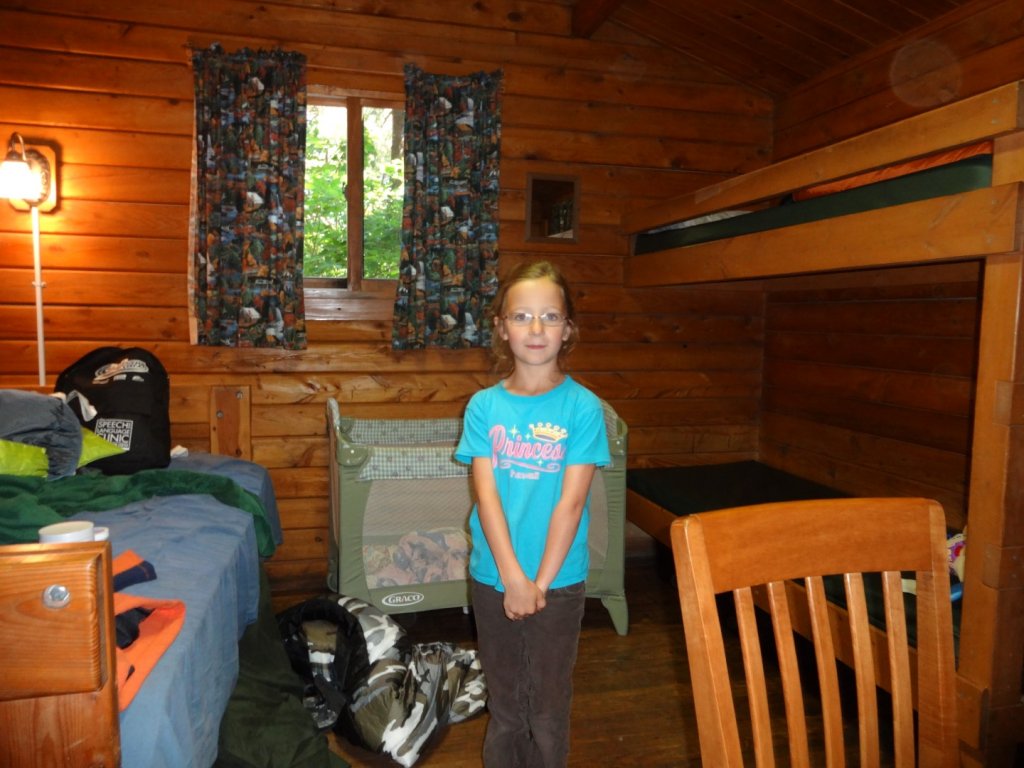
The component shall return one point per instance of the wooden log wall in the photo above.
(972, 49)
(869, 380)
(110, 84)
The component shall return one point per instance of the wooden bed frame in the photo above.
(58, 701)
(983, 225)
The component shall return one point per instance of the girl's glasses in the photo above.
(549, 319)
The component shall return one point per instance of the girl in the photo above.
(533, 439)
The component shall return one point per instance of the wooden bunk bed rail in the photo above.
(992, 114)
(981, 223)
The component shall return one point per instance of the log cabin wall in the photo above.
(869, 380)
(969, 50)
(110, 83)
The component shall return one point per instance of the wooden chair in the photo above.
(735, 549)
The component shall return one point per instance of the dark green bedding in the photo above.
(702, 488)
(266, 724)
(969, 173)
(28, 503)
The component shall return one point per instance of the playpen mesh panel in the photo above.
(402, 431)
(412, 462)
(416, 532)
(597, 533)
(397, 507)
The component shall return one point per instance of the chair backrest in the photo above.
(788, 547)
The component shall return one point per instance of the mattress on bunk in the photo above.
(707, 487)
(960, 176)
(704, 487)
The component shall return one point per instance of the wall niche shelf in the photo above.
(552, 208)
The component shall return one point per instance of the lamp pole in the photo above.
(27, 179)
(39, 285)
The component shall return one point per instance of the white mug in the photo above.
(72, 531)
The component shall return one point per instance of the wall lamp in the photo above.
(28, 180)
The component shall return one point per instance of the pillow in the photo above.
(44, 421)
(32, 461)
(95, 448)
(22, 459)
(894, 171)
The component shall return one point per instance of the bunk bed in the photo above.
(184, 551)
(715, 236)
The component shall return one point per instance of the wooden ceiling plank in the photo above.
(588, 15)
(824, 30)
(738, 64)
(792, 29)
(892, 15)
(725, 22)
(969, 31)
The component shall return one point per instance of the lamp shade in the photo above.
(17, 181)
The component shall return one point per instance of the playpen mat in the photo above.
(419, 557)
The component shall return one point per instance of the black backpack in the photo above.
(123, 395)
(332, 675)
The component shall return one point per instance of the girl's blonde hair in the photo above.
(537, 270)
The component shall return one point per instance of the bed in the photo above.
(980, 222)
(659, 495)
(400, 504)
(203, 524)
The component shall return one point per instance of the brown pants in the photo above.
(528, 667)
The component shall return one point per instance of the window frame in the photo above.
(334, 289)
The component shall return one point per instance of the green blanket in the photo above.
(266, 724)
(29, 503)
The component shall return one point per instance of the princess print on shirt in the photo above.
(542, 449)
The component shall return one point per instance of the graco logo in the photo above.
(401, 599)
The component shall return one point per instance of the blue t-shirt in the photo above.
(530, 440)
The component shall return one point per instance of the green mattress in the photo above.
(961, 176)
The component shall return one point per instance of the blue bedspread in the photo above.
(252, 477)
(205, 554)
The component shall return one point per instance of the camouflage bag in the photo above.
(372, 685)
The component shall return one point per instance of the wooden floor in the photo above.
(632, 701)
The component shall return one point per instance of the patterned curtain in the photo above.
(246, 265)
(449, 262)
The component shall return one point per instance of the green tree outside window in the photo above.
(325, 250)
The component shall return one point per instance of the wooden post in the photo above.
(990, 660)
(231, 421)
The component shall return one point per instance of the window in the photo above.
(353, 192)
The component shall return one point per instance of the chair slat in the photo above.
(863, 669)
(828, 678)
(792, 688)
(753, 666)
(899, 669)
(936, 692)
(709, 673)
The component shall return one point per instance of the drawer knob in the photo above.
(56, 596)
